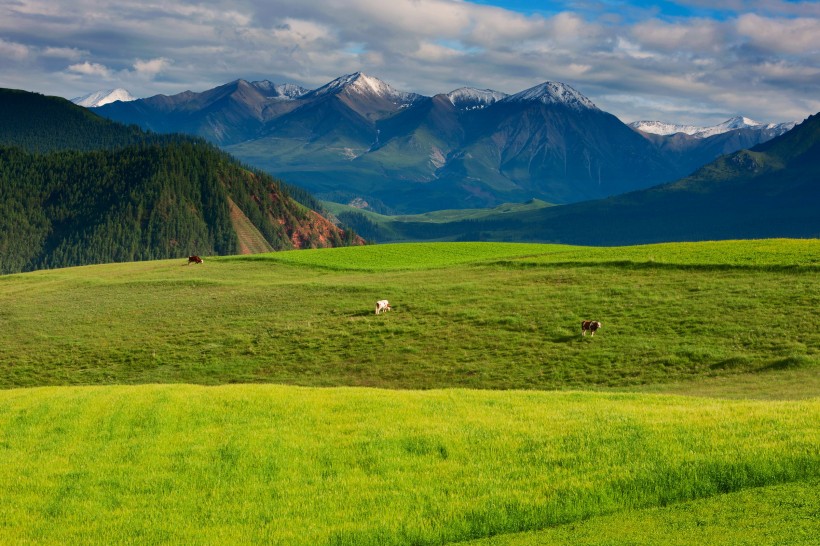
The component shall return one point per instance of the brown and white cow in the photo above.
(589, 326)
(194, 260)
(382, 305)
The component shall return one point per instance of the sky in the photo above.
(693, 62)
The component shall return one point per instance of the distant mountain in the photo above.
(227, 114)
(552, 143)
(80, 189)
(772, 190)
(468, 148)
(689, 147)
(732, 124)
(100, 98)
(359, 139)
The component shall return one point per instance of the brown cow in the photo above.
(589, 325)
(194, 260)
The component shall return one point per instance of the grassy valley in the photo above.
(474, 410)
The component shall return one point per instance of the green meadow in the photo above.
(259, 399)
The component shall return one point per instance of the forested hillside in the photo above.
(76, 189)
(38, 123)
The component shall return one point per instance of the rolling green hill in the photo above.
(77, 189)
(503, 316)
(431, 424)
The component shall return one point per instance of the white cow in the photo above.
(382, 305)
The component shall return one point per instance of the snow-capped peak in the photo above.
(737, 122)
(471, 98)
(663, 128)
(361, 83)
(100, 98)
(554, 93)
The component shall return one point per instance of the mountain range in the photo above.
(731, 124)
(771, 190)
(359, 139)
(76, 188)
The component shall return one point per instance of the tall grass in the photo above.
(284, 465)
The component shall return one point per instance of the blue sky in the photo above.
(689, 61)
(628, 10)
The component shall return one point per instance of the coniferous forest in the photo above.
(77, 189)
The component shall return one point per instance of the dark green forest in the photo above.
(76, 189)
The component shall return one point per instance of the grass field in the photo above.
(284, 465)
(473, 411)
(498, 316)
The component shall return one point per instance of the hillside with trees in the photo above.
(76, 189)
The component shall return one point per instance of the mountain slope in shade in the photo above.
(772, 190)
(229, 113)
(100, 98)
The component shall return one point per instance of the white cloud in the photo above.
(766, 48)
(800, 36)
(152, 67)
(90, 69)
(69, 53)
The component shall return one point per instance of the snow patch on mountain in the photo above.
(470, 98)
(737, 122)
(290, 90)
(554, 93)
(99, 98)
(284, 91)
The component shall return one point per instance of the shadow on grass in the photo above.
(568, 338)
(789, 363)
(367, 312)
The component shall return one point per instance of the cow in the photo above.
(382, 305)
(589, 325)
(194, 260)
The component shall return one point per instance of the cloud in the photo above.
(757, 57)
(13, 51)
(90, 69)
(777, 35)
(694, 35)
(152, 67)
(69, 53)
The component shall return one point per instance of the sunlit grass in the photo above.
(269, 464)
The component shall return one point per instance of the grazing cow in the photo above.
(194, 260)
(589, 325)
(382, 305)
